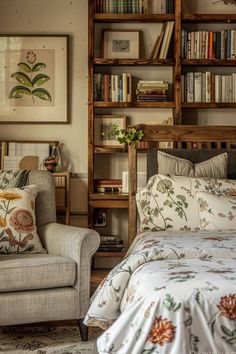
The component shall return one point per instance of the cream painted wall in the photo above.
(55, 17)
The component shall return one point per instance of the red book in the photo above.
(106, 86)
(210, 46)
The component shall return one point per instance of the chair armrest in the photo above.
(77, 243)
(69, 241)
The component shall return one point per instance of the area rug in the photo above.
(46, 339)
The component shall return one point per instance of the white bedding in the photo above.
(174, 293)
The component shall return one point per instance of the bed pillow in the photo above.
(216, 212)
(169, 202)
(18, 232)
(216, 167)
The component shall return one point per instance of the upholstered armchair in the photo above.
(53, 285)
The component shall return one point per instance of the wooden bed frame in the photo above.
(194, 136)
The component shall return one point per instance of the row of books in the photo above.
(112, 88)
(111, 243)
(208, 87)
(134, 6)
(209, 45)
(162, 47)
(152, 91)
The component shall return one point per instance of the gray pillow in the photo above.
(216, 167)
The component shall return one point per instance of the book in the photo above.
(171, 27)
(163, 46)
(129, 87)
(152, 55)
(197, 87)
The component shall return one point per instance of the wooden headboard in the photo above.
(192, 136)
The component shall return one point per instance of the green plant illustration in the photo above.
(130, 136)
(30, 78)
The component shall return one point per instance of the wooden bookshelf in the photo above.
(176, 64)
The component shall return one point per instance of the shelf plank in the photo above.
(101, 17)
(110, 254)
(108, 150)
(108, 196)
(209, 62)
(134, 104)
(106, 201)
(210, 105)
(223, 18)
(137, 62)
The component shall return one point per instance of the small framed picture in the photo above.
(121, 44)
(100, 218)
(106, 130)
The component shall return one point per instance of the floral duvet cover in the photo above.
(174, 293)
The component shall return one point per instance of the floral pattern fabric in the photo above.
(216, 212)
(175, 292)
(169, 202)
(18, 231)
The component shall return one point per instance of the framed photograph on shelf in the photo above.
(121, 44)
(106, 129)
(100, 218)
(34, 79)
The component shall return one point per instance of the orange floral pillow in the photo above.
(18, 232)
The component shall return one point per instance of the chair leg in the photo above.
(83, 329)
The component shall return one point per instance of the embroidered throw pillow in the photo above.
(216, 212)
(216, 167)
(169, 202)
(18, 233)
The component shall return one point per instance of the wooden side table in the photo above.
(62, 184)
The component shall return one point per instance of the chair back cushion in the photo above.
(45, 201)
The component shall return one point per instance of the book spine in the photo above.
(208, 87)
(210, 45)
(218, 45)
(223, 88)
(124, 87)
(190, 87)
(197, 87)
(106, 85)
(212, 87)
(228, 45)
(129, 6)
(129, 87)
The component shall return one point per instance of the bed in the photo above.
(175, 291)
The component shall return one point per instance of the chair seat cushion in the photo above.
(35, 271)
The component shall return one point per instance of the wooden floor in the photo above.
(96, 277)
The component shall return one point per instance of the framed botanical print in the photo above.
(34, 79)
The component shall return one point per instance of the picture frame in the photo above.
(104, 130)
(34, 79)
(121, 44)
(100, 218)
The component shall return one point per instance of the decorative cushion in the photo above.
(216, 212)
(18, 231)
(216, 167)
(170, 202)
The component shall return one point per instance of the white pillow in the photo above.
(216, 212)
(216, 167)
(169, 202)
(18, 232)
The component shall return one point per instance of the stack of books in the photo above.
(107, 185)
(111, 243)
(152, 91)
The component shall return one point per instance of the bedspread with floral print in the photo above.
(174, 293)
